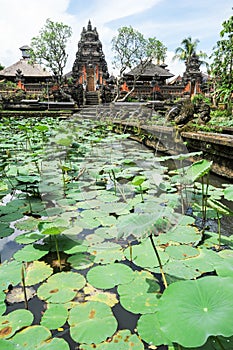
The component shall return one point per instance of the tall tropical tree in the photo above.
(132, 49)
(49, 47)
(222, 65)
(187, 49)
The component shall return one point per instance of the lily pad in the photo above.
(181, 252)
(38, 337)
(197, 310)
(29, 237)
(14, 321)
(122, 340)
(10, 273)
(93, 294)
(143, 255)
(106, 252)
(109, 276)
(16, 295)
(37, 272)
(30, 253)
(54, 317)
(91, 322)
(2, 303)
(140, 295)
(5, 230)
(61, 288)
(81, 261)
(149, 330)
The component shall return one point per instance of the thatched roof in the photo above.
(150, 70)
(28, 70)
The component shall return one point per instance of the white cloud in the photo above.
(21, 20)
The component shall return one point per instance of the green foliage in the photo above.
(222, 65)
(49, 47)
(188, 48)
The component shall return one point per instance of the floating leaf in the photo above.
(55, 316)
(14, 321)
(30, 253)
(16, 295)
(37, 272)
(5, 230)
(149, 330)
(10, 273)
(109, 276)
(182, 252)
(228, 193)
(143, 254)
(38, 337)
(140, 295)
(106, 252)
(91, 322)
(93, 294)
(197, 310)
(29, 237)
(2, 303)
(81, 261)
(61, 287)
(122, 340)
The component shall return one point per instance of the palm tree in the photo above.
(189, 48)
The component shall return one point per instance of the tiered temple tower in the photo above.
(90, 67)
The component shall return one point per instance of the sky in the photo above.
(170, 21)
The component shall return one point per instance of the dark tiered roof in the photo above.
(151, 70)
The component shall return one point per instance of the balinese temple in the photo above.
(193, 77)
(23, 72)
(150, 80)
(90, 67)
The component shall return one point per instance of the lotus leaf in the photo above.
(197, 310)
(109, 276)
(93, 294)
(5, 230)
(37, 272)
(2, 303)
(140, 295)
(30, 224)
(149, 330)
(30, 253)
(14, 321)
(61, 287)
(55, 316)
(10, 273)
(143, 254)
(198, 169)
(91, 322)
(106, 252)
(181, 234)
(122, 340)
(29, 237)
(6, 344)
(38, 337)
(228, 193)
(179, 269)
(16, 295)
(181, 252)
(81, 261)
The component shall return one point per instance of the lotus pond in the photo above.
(103, 246)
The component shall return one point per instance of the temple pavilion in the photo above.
(90, 67)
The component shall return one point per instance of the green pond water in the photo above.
(97, 235)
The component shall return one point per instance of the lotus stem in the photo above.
(24, 287)
(219, 230)
(58, 254)
(219, 343)
(159, 260)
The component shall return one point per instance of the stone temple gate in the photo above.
(90, 67)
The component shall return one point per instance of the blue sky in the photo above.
(168, 20)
